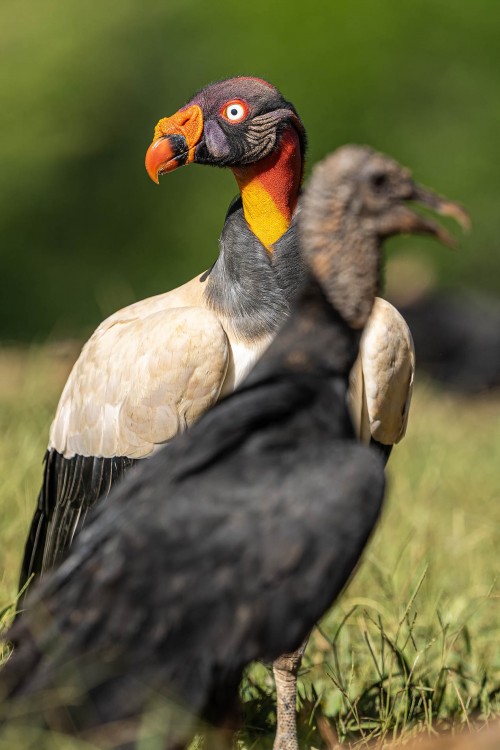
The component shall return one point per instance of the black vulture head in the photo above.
(355, 199)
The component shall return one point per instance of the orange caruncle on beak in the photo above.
(174, 142)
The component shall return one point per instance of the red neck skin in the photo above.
(270, 189)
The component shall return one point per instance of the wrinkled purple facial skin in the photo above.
(216, 140)
(224, 144)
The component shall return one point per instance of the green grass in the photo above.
(413, 643)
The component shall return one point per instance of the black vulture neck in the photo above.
(270, 189)
(342, 251)
(315, 340)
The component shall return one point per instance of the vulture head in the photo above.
(355, 199)
(245, 124)
(231, 123)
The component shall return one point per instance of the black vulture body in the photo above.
(224, 547)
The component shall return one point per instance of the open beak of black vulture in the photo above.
(413, 223)
(443, 207)
(174, 142)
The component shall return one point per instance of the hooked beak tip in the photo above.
(457, 212)
(157, 155)
(153, 176)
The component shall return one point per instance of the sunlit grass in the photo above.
(413, 643)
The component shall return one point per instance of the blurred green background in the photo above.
(84, 231)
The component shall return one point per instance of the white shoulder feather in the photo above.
(381, 382)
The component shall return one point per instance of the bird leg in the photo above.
(285, 669)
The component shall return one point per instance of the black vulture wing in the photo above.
(220, 550)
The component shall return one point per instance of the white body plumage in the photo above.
(151, 369)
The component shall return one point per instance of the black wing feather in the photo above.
(70, 488)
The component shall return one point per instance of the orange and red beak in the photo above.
(174, 142)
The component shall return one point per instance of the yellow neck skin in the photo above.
(270, 188)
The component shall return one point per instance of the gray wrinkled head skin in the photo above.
(227, 144)
(355, 199)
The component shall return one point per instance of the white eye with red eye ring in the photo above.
(235, 111)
